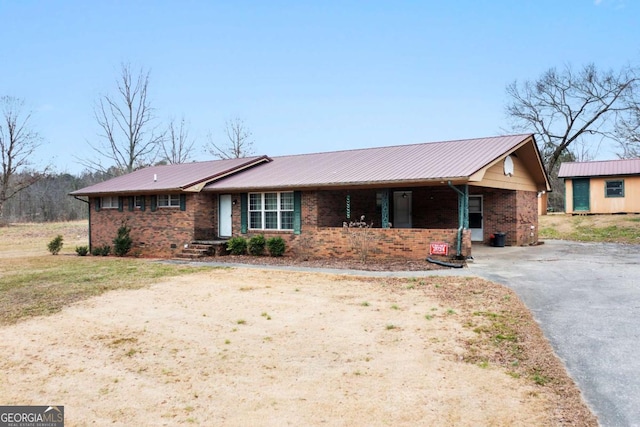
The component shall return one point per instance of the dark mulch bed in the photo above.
(345, 264)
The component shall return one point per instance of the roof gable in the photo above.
(176, 177)
(599, 168)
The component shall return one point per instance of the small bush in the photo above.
(82, 250)
(55, 245)
(256, 245)
(101, 250)
(123, 241)
(276, 246)
(237, 246)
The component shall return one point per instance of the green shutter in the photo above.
(132, 203)
(154, 203)
(244, 208)
(98, 203)
(120, 203)
(142, 203)
(183, 202)
(297, 212)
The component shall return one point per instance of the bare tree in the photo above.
(129, 138)
(566, 107)
(239, 143)
(628, 129)
(18, 143)
(177, 147)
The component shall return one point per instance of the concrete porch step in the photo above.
(201, 249)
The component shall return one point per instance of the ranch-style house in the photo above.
(453, 192)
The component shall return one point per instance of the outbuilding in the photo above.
(601, 187)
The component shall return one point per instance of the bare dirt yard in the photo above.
(250, 347)
(240, 346)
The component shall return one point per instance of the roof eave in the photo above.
(352, 184)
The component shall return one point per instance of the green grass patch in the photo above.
(592, 228)
(610, 233)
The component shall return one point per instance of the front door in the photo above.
(224, 217)
(581, 194)
(402, 209)
(475, 219)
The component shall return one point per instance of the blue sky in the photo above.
(304, 76)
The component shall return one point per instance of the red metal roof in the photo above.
(600, 168)
(450, 160)
(170, 177)
(402, 164)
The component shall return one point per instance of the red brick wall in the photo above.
(435, 207)
(205, 216)
(161, 233)
(510, 212)
(527, 226)
(390, 243)
(332, 207)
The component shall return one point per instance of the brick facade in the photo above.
(162, 232)
(322, 234)
(165, 231)
(510, 212)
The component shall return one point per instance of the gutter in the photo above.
(89, 211)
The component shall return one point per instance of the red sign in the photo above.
(439, 248)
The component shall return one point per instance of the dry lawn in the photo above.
(240, 347)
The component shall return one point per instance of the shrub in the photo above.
(82, 250)
(55, 245)
(123, 241)
(361, 237)
(237, 246)
(276, 246)
(256, 245)
(101, 250)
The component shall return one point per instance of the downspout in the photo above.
(89, 216)
(461, 217)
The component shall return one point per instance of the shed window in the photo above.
(271, 211)
(614, 188)
(109, 202)
(169, 201)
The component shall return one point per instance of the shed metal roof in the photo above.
(175, 177)
(600, 168)
(435, 161)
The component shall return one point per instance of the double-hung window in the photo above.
(271, 211)
(169, 201)
(109, 202)
(614, 188)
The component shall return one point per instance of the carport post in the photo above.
(463, 213)
(385, 207)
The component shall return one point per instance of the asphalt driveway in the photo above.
(586, 298)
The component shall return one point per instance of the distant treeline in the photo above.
(48, 200)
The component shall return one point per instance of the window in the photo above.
(139, 202)
(271, 211)
(169, 201)
(614, 188)
(110, 202)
